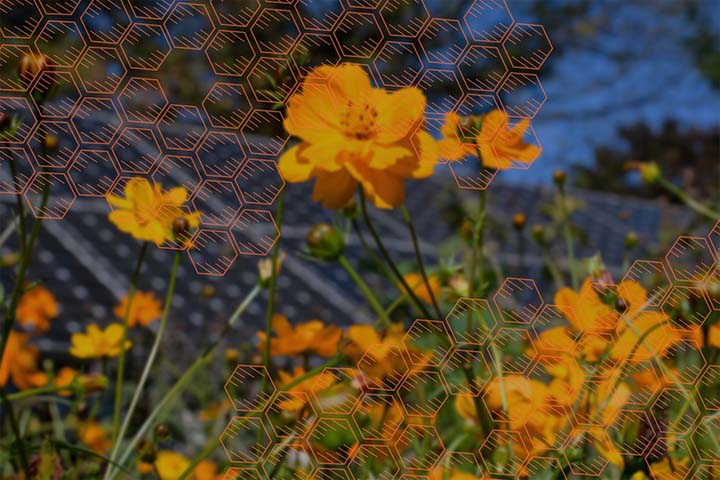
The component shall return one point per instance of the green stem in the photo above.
(687, 200)
(388, 259)
(151, 358)
(7, 406)
(272, 287)
(567, 232)
(554, 270)
(20, 206)
(183, 381)
(31, 392)
(372, 300)
(121, 361)
(374, 256)
(477, 259)
(11, 315)
(419, 259)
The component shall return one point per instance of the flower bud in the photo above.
(265, 268)
(538, 234)
(30, 66)
(649, 172)
(232, 356)
(519, 220)
(146, 452)
(51, 143)
(162, 431)
(631, 240)
(559, 177)
(325, 242)
(466, 228)
(459, 286)
(5, 121)
(92, 383)
(208, 291)
(180, 227)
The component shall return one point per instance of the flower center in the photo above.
(358, 121)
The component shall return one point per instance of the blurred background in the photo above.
(192, 93)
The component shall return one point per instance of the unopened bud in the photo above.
(538, 234)
(519, 220)
(51, 143)
(207, 291)
(30, 66)
(232, 356)
(180, 227)
(325, 242)
(649, 172)
(631, 240)
(162, 431)
(5, 121)
(146, 452)
(92, 383)
(559, 177)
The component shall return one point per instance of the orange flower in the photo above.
(145, 309)
(36, 308)
(19, 364)
(94, 436)
(353, 134)
(306, 338)
(147, 212)
(500, 146)
(416, 283)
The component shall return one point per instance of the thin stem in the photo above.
(16, 431)
(151, 358)
(550, 264)
(185, 378)
(687, 200)
(20, 205)
(272, 287)
(11, 315)
(32, 392)
(378, 261)
(569, 242)
(419, 259)
(477, 259)
(369, 296)
(121, 361)
(388, 259)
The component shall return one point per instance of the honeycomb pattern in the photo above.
(113, 108)
(397, 392)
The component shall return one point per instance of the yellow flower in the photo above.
(19, 364)
(94, 436)
(416, 283)
(353, 134)
(145, 309)
(500, 145)
(36, 308)
(306, 338)
(170, 465)
(98, 343)
(149, 213)
(440, 473)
